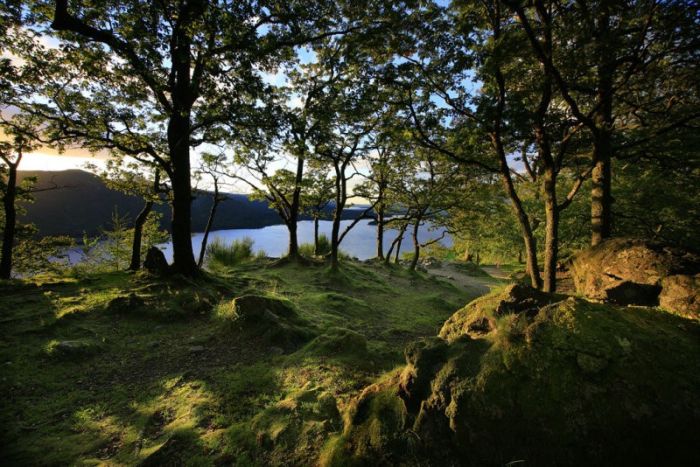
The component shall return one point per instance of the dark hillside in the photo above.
(82, 203)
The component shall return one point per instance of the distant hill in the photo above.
(82, 203)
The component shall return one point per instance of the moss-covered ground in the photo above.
(549, 380)
(246, 366)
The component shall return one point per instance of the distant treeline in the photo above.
(81, 203)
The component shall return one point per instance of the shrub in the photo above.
(324, 247)
(230, 254)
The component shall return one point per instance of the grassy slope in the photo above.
(156, 372)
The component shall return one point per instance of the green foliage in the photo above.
(324, 247)
(47, 254)
(231, 254)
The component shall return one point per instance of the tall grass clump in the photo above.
(230, 254)
(324, 247)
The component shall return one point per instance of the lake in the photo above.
(274, 239)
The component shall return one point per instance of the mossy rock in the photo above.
(680, 294)
(272, 320)
(73, 349)
(480, 316)
(575, 383)
(339, 344)
(629, 271)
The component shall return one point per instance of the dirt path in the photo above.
(495, 271)
(478, 285)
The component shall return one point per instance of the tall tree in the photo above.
(594, 52)
(190, 65)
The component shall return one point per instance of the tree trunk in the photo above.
(183, 255)
(340, 198)
(523, 220)
(210, 223)
(334, 238)
(551, 242)
(601, 191)
(380, 232)
(416, 245)
(8, 236)
(179, 127)
(398, 247)
(316, 252)
(293, 251)
(140, 220)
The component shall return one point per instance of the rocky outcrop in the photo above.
(633, 272)
(565, 383)
(681, 293)
(479, 317)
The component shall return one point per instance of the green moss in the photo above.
(575, 382)
(173, 361)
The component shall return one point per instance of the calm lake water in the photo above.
(274, 239)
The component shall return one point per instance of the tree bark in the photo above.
(340, 198)
(135, 263)
(183, 255)
(293, 250)
(551, 242)
(179, 128)
(398, 246)
(8, 236)
(293, 220)
(416, 245)
(380, 231)
(601, 191)
(316, 252)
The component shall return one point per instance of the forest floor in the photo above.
(248, 366)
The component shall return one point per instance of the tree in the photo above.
(316, 195)
(10, 156)
(184, 70)
(212, 166)
(129, 177)
(464, 46)
(595, 52)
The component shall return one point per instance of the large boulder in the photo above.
(629, 271)
(577, 383)
(479, 317)
(681, 294)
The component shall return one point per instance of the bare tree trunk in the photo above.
(340, 198)
(210, 222)
(293, 251)
(8, 236)
(135, 263)
(416, 245)
(551, 242)
(398, 247)
(380, 232)
(395, 242)
(601, 191)
(316, 246)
